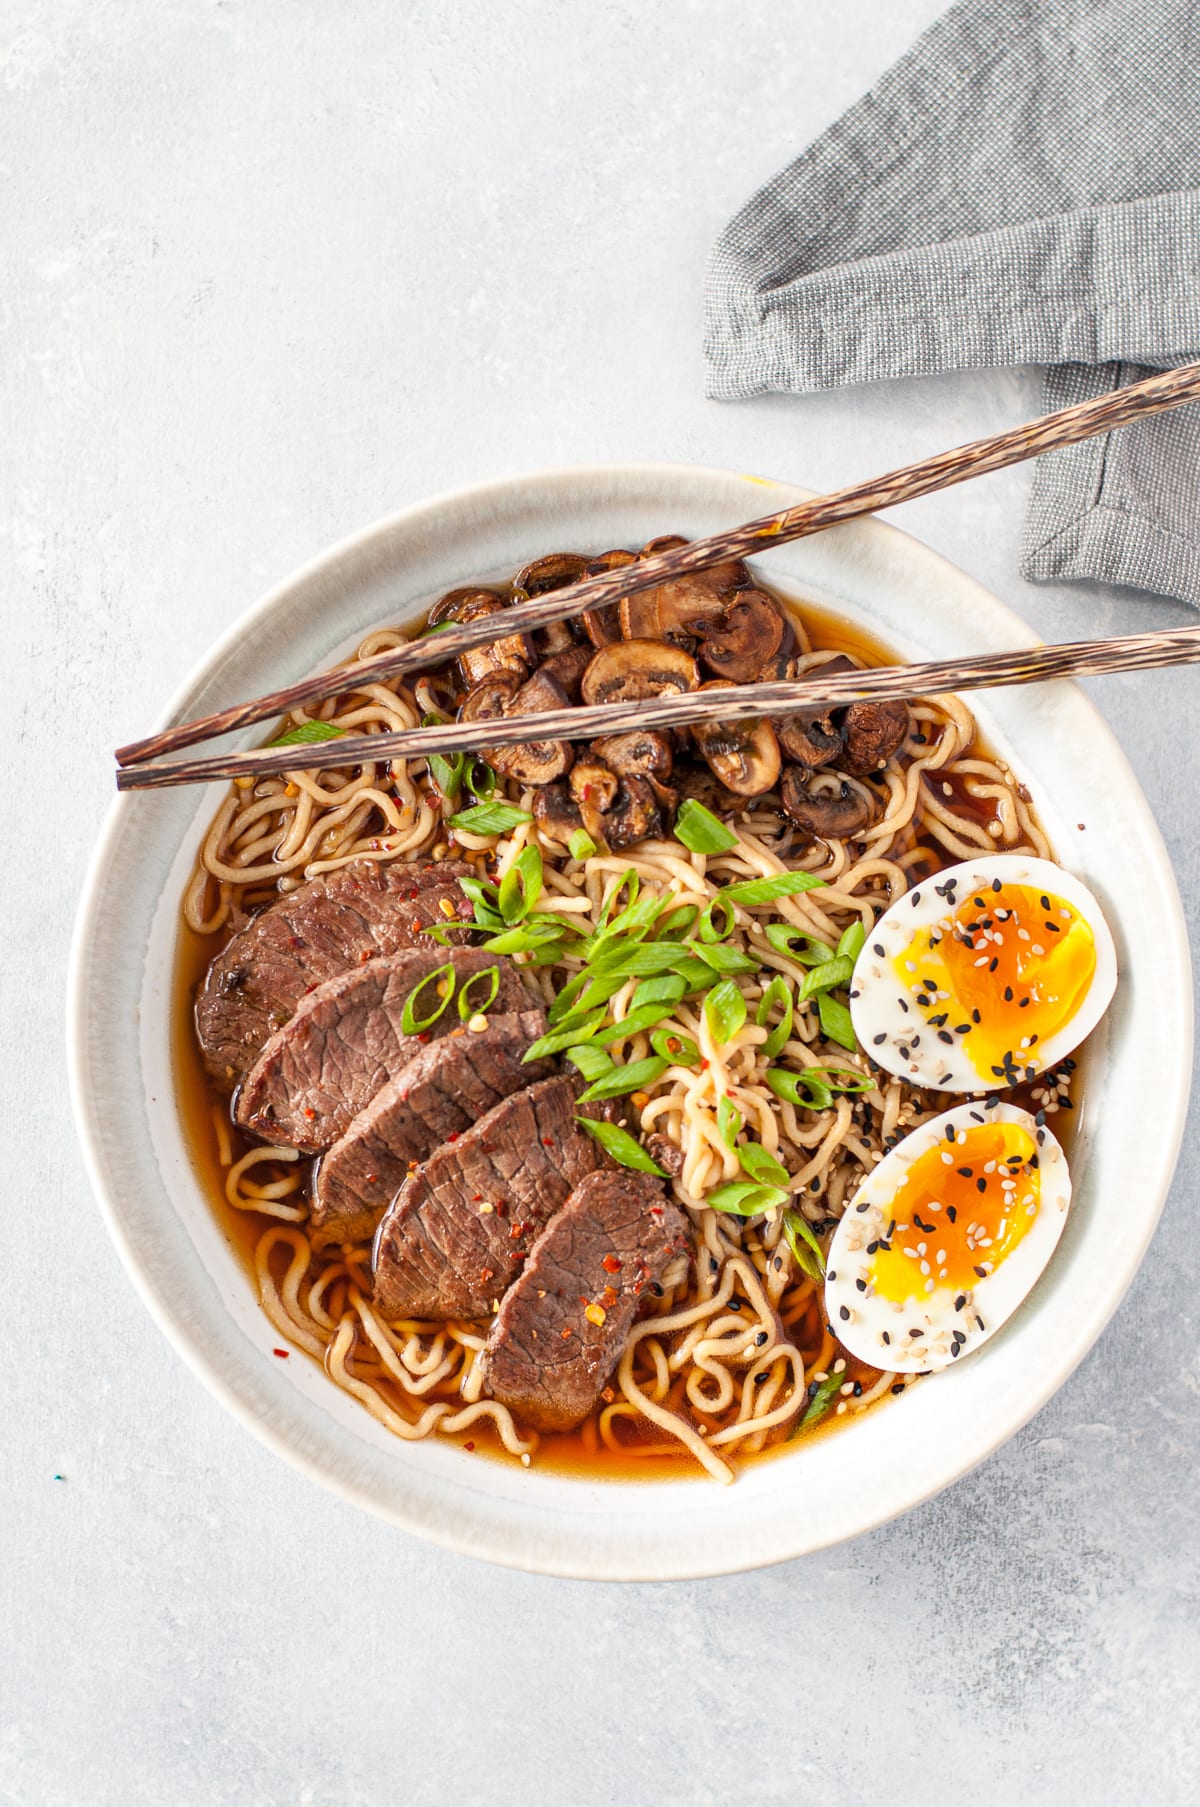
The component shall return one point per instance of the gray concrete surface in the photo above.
(270, 270)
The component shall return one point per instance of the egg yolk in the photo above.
(964, 1206)
(1005, 972)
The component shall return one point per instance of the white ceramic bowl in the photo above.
(817, 1493)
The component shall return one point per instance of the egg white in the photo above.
(860, 1320)
(901, 1041)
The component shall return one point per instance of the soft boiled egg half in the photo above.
(946, 1236)
(985, 976)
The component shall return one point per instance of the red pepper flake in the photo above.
(310, 1115)
(515, 1231)
(477, 1199)
(608, 1395)
(364, 956)
(372, 1179)
(611, 1264)
(453, 1136)
(656, 1210)
(547, 1141)
(423, 1036)
(564, 1334)
(501, 1207)
(704, 1066)
(469, 1447)
(281, 1353)
(609, 1296)
(486, 1273)
(638, 1285)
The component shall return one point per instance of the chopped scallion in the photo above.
(307, 734)
(701, 831)
(623, 1148)
(744, 1199)
(622, 1080)
(754, 891)
(467, 1007)
(410, 1022)
(725, 1010)
(490, 819)
(836, 1023)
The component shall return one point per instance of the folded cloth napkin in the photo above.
(1022, 188)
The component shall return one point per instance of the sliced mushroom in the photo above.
(643, 755)
(732, 575)
(668, 1154)
(603, 626)
(830, 807)
(813, 740)
(635, 816)
(703, 785)
(556, 813)
(747, 633)
(744, 755)
(512, 653)
(873, 732)
(633, 669)
(501, 694)
(593, 786)
(567, 668)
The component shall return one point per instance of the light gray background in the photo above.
(269, 271)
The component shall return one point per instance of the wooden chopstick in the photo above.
(1027, 665)
(1167, 389)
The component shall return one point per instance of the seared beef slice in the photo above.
(546, 1357)
(462, 1224)
(330, 924)
(346, 1041)
(443, 1090)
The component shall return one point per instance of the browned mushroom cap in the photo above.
(732, 575)
(567, 668)
(744, 754)
(642, 755)
(635, 816)
(698, 781)
(633, 669)
(554, 572)
(829, 807)
(513, 653)
(812, 740)
(540, 692)
(873, 732)
(668, 1154)
(748, 632)
(449, 606)
(603, 626)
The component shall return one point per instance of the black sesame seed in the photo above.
(877, 948)
(982, 1272)
(760, 1339)
(887, 1339)
(844, 1312)
(979, 1320)
(877, 1041)
(960, 1301)
(898, 1386)
(944, 1035)
(952, 1213)
(995, 884)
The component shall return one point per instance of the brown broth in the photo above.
(577, 1452)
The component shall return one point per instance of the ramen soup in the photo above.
(640, 1105)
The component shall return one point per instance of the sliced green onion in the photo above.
(465, 1008)
(622, 1080)
(597, 991)
(521, 885)
(625, 1151)
(762, 1166)
(853, 940)
(307, 734)
(590, 1060)
(744, 1199)
(782, 935)
(811, 1093)
(628, 880)
(826, 977)
(668, 989)
(701, 831)
(725, 1010)
(680, 1050)
(557, 1039)
(581, 845)
(524, 937)
(697, 975)
(801, 1239)
(753, 891)
(678, 922)
(729, 1121)
(708, 928)
(490, 819)
(836, 1023)
(637, 916)
(722, 959)
(822, 1399)
(480, 778)
(410, 1022)
(481, 893)
(568, 996)
(778, 994)
(634, 1024)
(636, 959)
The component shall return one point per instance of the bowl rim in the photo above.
(1173, 1097)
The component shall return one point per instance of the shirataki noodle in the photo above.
(722, 1367)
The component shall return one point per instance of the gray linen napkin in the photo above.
(1022, 188)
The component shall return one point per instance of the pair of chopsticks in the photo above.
(143, 767)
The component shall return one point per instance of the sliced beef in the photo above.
(463, 1223)
(330, 924)
(442, 1091)
(562, 1327)
(346, 1041)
